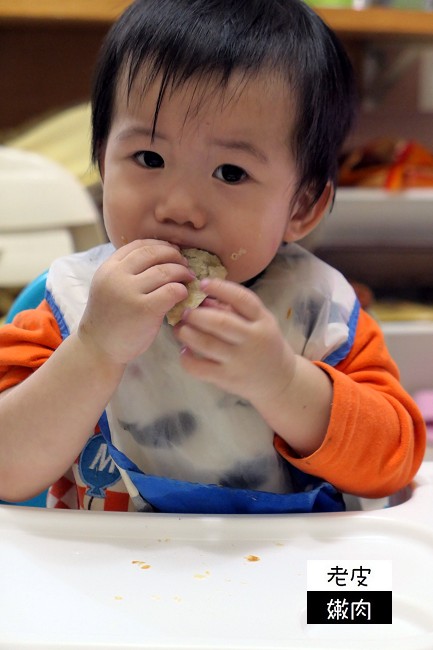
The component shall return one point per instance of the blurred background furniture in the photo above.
(44, 213)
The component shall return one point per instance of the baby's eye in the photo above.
(230, 173)
(149, 159)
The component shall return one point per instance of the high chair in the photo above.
(29, 298)
(45, 213)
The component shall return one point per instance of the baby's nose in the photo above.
(182, 206)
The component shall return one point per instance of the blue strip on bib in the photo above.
(64, 329)
(342, 352)
(171, 495)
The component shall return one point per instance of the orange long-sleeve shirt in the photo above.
(375, 441)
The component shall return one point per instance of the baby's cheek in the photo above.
(242, 266)
(236, 261)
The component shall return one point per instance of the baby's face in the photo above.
(218, 176)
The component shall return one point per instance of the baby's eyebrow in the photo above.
(134, 131)
(229, 143)
(241, 145)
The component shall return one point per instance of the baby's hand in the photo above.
(235, 343)
(130, 295)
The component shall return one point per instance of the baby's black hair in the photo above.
(209, 40)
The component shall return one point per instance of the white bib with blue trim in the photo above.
(168, 424)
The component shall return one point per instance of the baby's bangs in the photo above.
(204, 83)
(194, 39)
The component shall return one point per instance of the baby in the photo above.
(217, 127)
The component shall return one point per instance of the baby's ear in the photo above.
(304, 217)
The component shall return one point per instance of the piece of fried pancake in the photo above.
(204, 265)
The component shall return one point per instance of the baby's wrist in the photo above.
(96, 355)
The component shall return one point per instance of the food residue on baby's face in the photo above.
(234, 256)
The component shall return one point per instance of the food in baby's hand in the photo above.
(204, 265)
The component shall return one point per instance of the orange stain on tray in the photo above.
(141, 564)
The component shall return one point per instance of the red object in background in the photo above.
(389, 164)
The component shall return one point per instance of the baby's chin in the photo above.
(242, 271)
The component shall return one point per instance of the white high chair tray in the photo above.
(126, 580)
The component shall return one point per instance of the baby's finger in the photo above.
(243, 301)
(164, 298)
(161, 274)
(127, 248)
(142, 254)
(221, 324)
(205, 346)
(217, 304)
